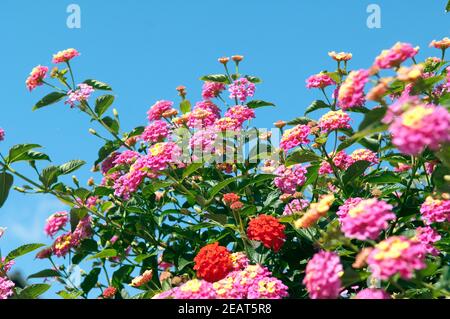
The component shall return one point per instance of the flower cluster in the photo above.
(55, 223)
(65, 55)
(155, 132)
(295, 136)
(213, 262)
(319, 81)
(268, 230)
(351, 92)
(372, 293)
(323, 276)
(396, 255)
(427, 236)
(36, 77)
(241, 89)
(315, 212)
(212, 90)
(334, 120)
(289, 178)
(79, 95)
(393, 57)
(364, 219)
(295, 206)
(435, 210)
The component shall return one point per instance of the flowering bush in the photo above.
(197, 203)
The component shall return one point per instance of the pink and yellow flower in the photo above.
(36, 77)
(240, 113)
(157, 110)
(441, 44)
(319, 81)
(295, 136)
(396, 255)
(341, 56)
(289, 178)
(351, 93)
(65, 55)
(364, 218)
(395, 56)
(334, 120)
(155, 132)
(435, 210)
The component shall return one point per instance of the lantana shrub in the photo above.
(198, 203)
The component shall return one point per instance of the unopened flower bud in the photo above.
(237, 58)
(279, 124)
(75, 180)
(115, 113)
(90, 181)
(92, 131)
(285, 197)
(44, 253)
(376, 192)
(224, 60)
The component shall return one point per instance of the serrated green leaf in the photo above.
(98, 85)
(6, 181)
(316, 105)
(33, 291)
(70, 166)
(185, 106)
(22, 250)
(102, 104)
(106, 253)
(45, 273)
(258, 103)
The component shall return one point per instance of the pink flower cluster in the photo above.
(240, 113)
(69, 240)
(6, 288)
(323, 276)
(295, 206)
(319, 81)
(203, 141)
(247, 282)
(55, 223)
(363, 155)
(393, 57)
(65, 55)
(351, 92)
(225, 124)
(211, 90)
(36, 77)
(2, 134)
(427, 236)
(241, 89)
(289, 178)
(334, 120)
(372, 293)
(155, 132)
(435, 210)
(396, 255)
(204, 114)
(81, 94)
(158, 109)
(364, 218)
(295, 136)
(419, 127)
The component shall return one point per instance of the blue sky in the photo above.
(144, 49)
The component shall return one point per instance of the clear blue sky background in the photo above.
(144, 49)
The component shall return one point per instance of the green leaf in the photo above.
(301, 156)
(372, 118)
(356, 169)
(98, 85)
(216, 189)
(76, 214)
(112, 124)
(185, 106)
(447, 7)
(90, 280)
(33, 291)
(33, 156)
(122, 275)
(49, 175)
(384, 178)
(258, 103)
(253, 79)
(22, 250)
(444, 154)
(45, 273)
(106, 150)
(6, 181)
(316, 105)
(106, 253)
(191, 169)
(70, 166)
(49, 99)
(300, 120)
(221, 78)
(17, 152)
(441, 178)
(69, 295)
(103, 103)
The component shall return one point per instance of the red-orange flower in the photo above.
(230, 198)
(268, 230)
(213, 262)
